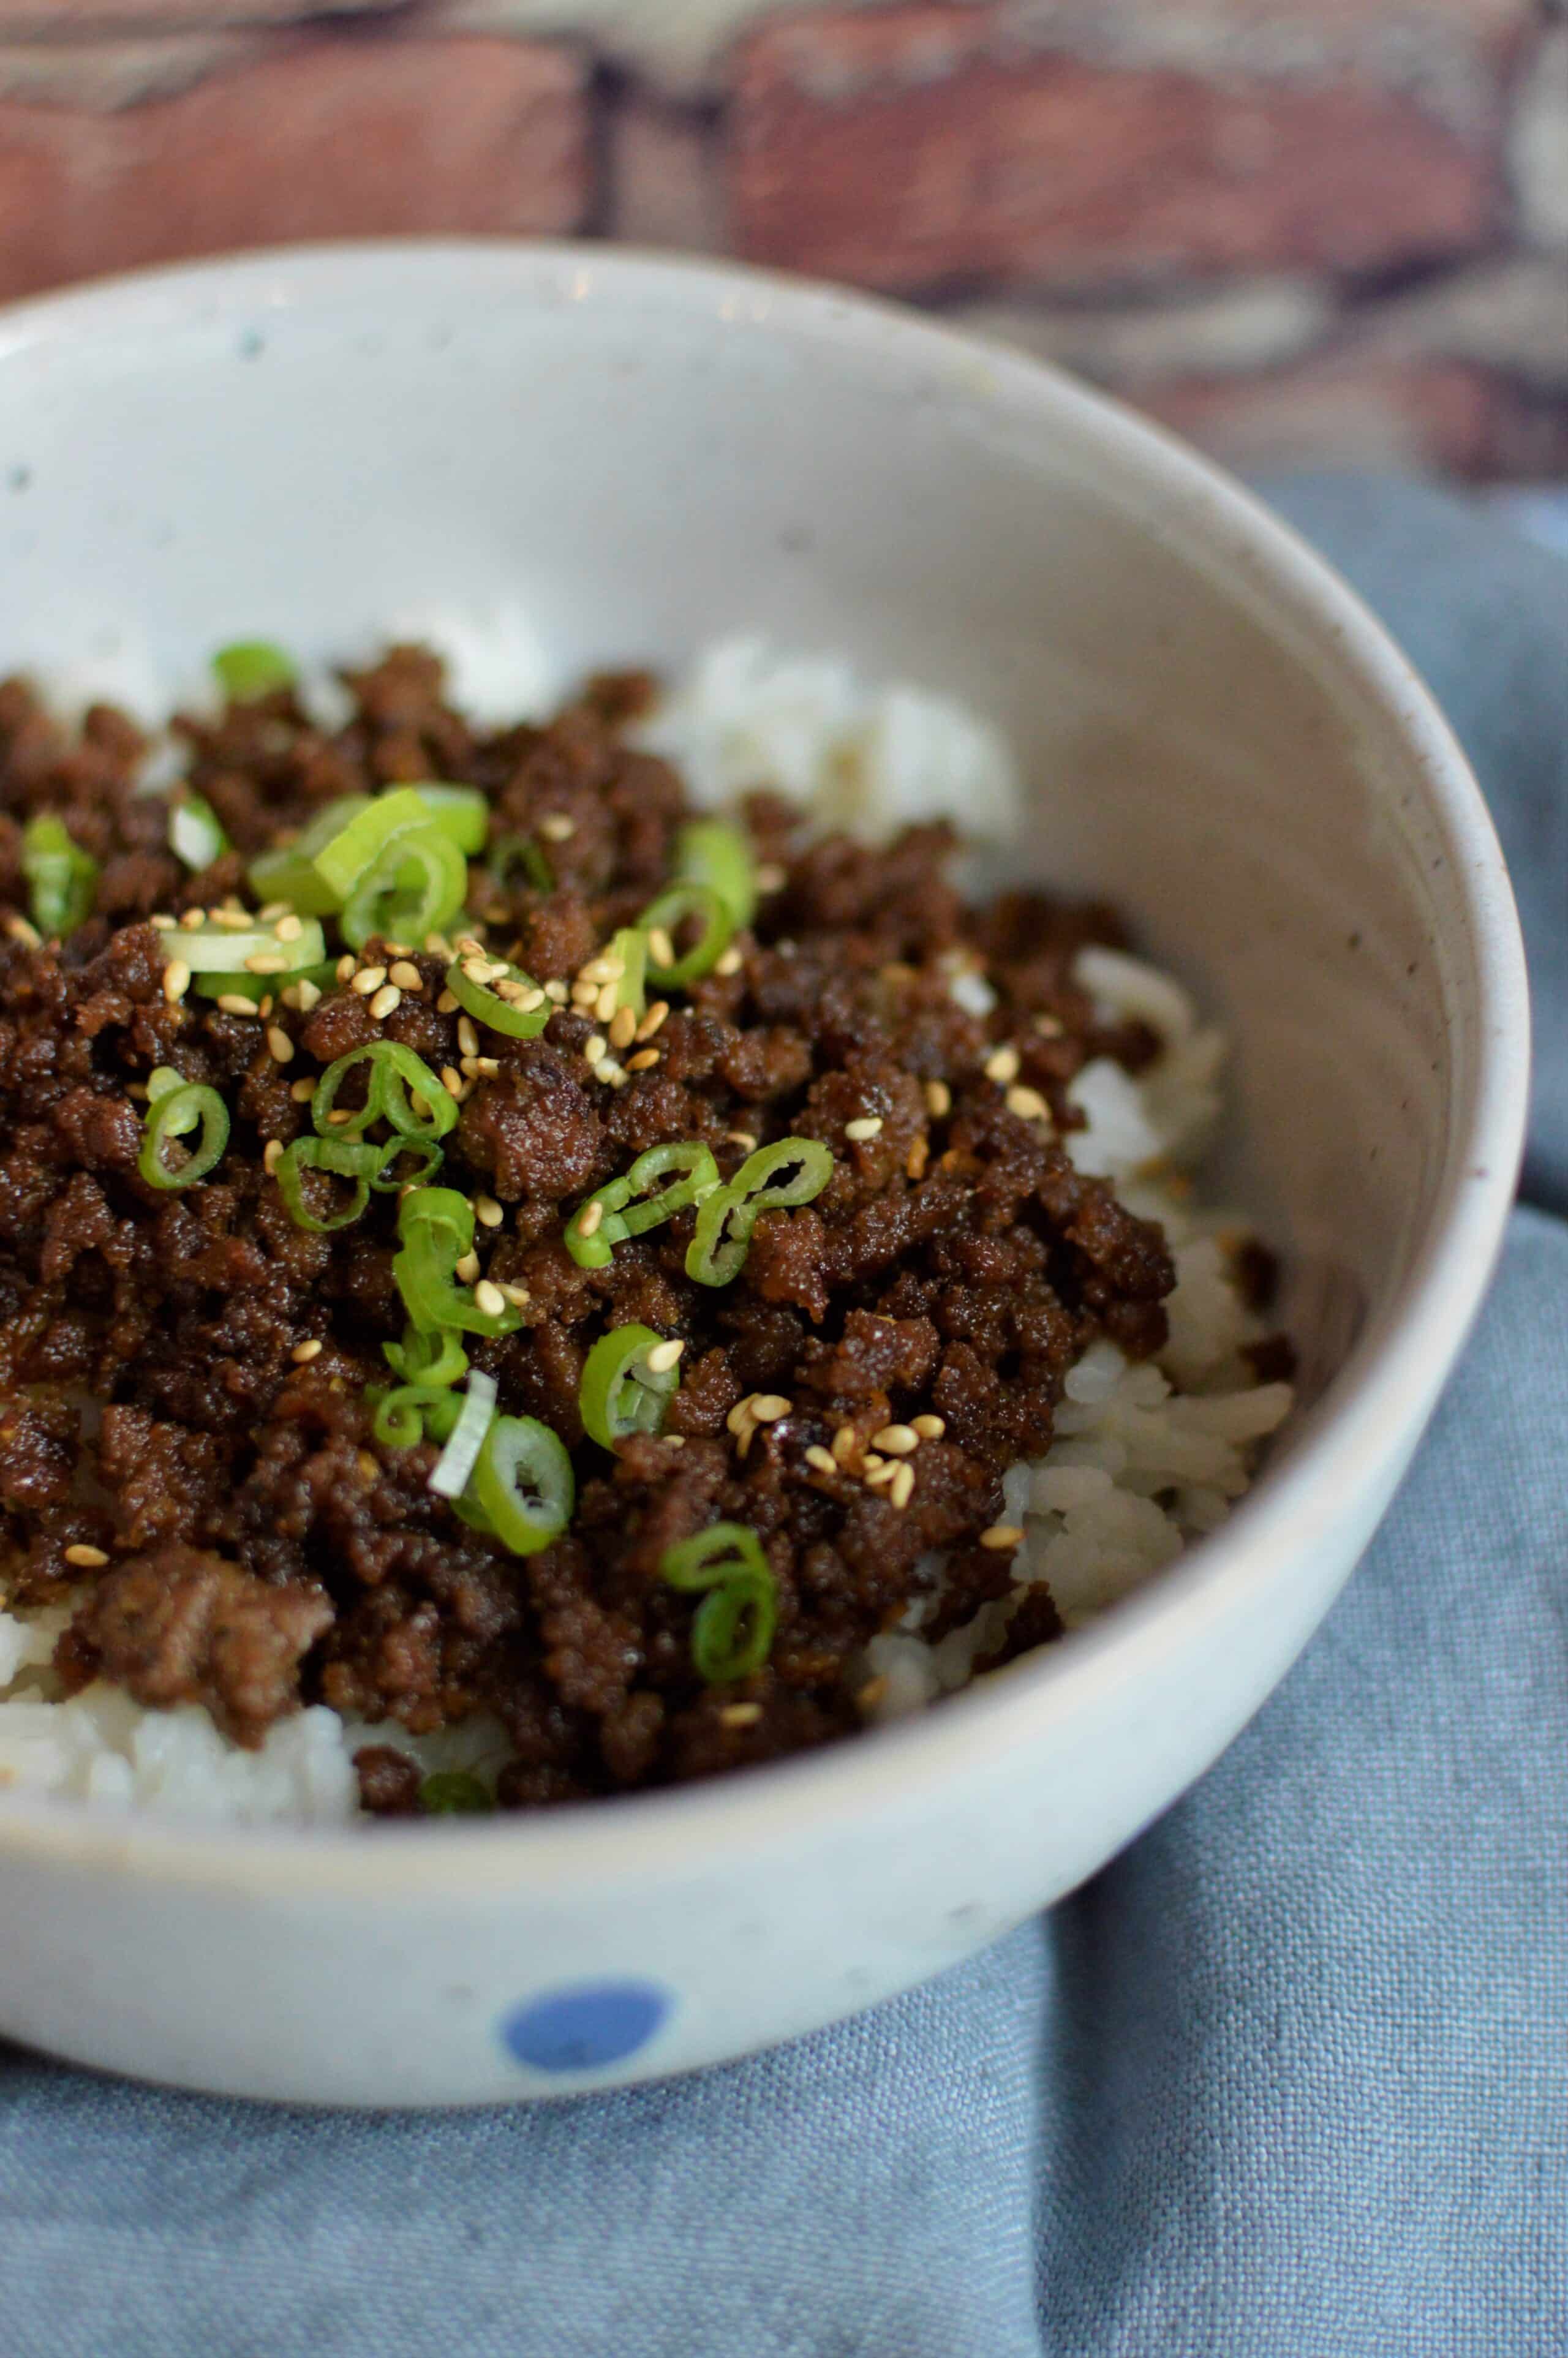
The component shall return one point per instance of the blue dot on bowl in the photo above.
(584, 2028)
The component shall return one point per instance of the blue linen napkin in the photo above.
(1288, 2080)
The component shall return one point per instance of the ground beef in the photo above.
(185, 1444)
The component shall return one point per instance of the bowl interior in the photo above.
(588, 458)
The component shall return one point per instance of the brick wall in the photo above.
(1296, 229)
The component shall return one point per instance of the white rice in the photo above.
(1144, 1456)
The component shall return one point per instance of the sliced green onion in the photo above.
(345, 1158)
(195, 833)
(436, 1226)
(416, 886)
(620, 1394)
(160, 1080)
(630, 946)
(466, 1438)
(225, 949)
(510, 851)
(252, 667)
(460, 812)
(522, 1487)
(709, 851)
(677, 906)
(349, 855)
(423, 1359)
(62, 877)
(722, 1237)
(404, 1417)
(288, 871)
(511, 1001)
(454, 1793)
(628, 1209)
(257, 987)
(397, 1084)
(732, 1632)
(174, 1112)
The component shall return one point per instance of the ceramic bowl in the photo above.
(625, 456)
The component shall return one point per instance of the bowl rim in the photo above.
(1422, 1328)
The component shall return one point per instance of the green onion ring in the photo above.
(416, 886)
(223, 950)
(195, 832)
(423, 1359)
(252, 667)
(619, 1395)
(460, 812)
(396, 1075)
(711, 851)
(510, 851)
(288, 871)
(454, 1792)
(732, 1632)
(673, 908)
(485, 1004)
(630, 1211)
(723, 1239)
(521, 1488)
(176, 1110)
(436, 1226)
(62, 877)
(346, 1158)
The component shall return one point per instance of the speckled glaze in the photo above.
(623, 457)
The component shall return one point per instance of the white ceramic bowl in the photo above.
(637, 455)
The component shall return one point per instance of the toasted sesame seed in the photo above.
(265, 1009)
(510, 989)
(585, 998)
(768, 1407)
(270, 912)
(556, 828)
(643, 1061)
(1027, 1104)
(740, 1714)
(556, 992)
(915, 1161)
(664, 1356)
(489, 1298)
(589, 1218)
(485, 1067)
(302, 1091)
(488, 1212)
(345, 968)
(871, 1693)
(272, 1154)
(739, 1416)
(163, 924)
(303, 1353)
(998, 1536)
(595, 1046)
(822, 1460)
(1002, 1064)
(175, 981)
(468, 946)
(846, 1441)
(518, 1295)
(368, 1466)
(86, 1556)
(938, 1100)
(308, 995)
(930, 1428)
(879, 1472)
(448, 1003)
(28, 936)
(898, 1440)
(771, 877)
(289, 928)
(746, 1139)
(728, 962)
(656, 1015)
(601, 969)
(451, 1080)
(339, 1115)
(267, 962)
(1050, 1027)
(388, 1000)
(438, 946)
(901, 1489)
(235, 921)
(405, 975)
(468, 1038)
(608, 1003)
(661, 950)
(467, 1270)
(280, 1047)
(368, 979)
(233, 1004)
(867, 1125)
(622, 1027)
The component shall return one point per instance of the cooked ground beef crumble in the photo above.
(176, 1458)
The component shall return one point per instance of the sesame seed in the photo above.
(1002, 1064)
(388, 1000)
(175, 981)
(29, 936)
(1050, 1027)
(405, 975)
(901, 1489)
(898, 1440)
(468, 946)
(448, 1003)
(368, 1465)
(661, 950)
(468, 1038)
(869, 1125)
(339, 1115)
(622, 1027)
(308, 995)
(768, 1407)
(915, 1161)
(771, 877)
(480, 970)
(589, 1219)
(272, 1155)
(289, 928)
(467, 1270)
(930, 1428)
(556, 828)
(485, 1067)
(1027, 1104)
(879, 1473)
(608, 1002)
(518, 1295)
(739, 1416)
(643, 1061)
(871, 1693)
(438, 946)
(303, 1353)
(585, 998)
(270, 912)
(302, 1091)
(846, 1441)
(740, 1714)
(746, 1139)
(265, 1009)
(451, 1080)
(510, 989)
(345, 968)
(656, 1014)
(233, 921)
(368, 979)
(595, 1046)
(489, 1298)
(84, 1555)
(601, 969)
(822, 1460)
(556, 991)
(232, 1003)
(998, 1536)
(728, 962)
(280, 1047)
(163, 924)
(488, 1212)
(938, 1100)
(664, 1357)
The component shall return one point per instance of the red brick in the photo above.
(913, 144)
(325, 137)
(1350, 411)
